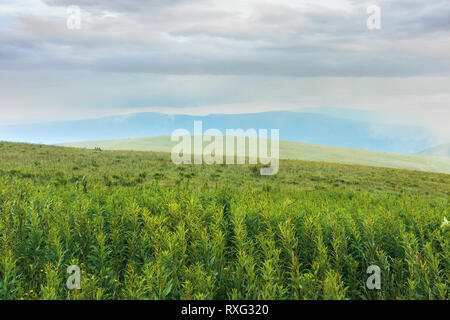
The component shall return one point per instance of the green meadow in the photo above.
(295, 150)
(140, 227)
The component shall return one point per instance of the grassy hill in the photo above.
(442, 150)
(140, 227)
(295, 150)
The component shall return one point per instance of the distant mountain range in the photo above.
(442, 150)
(307, 127)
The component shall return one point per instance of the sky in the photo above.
(217, 56)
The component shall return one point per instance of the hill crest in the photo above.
(293, 150)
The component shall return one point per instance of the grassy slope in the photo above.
(296, 150)
(102, 210)
(43, 162)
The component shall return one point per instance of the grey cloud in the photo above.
(412, 17)
(192, 37)
(119, 5)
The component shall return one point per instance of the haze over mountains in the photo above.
(307, 127)
(442, 150)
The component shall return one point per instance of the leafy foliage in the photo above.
(139, 229)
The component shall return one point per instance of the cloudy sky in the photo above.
(226, 56)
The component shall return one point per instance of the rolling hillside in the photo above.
(140, 227)
(294, 150)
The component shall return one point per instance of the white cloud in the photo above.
(211, 55)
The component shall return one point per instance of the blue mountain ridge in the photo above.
(305, 127)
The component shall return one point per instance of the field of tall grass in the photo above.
(140, 227)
